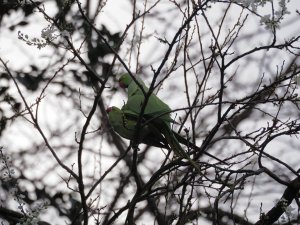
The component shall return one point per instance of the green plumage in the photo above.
(126, 81)
(156, 111)
(121, 124)
(155, 108)
(125, 126)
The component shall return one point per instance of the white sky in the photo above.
(115, 17)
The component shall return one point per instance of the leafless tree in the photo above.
(228, 69)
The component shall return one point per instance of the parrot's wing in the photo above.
(134, 89)
(162, 127)
(155, 108)
(121, 124)
(154, 137)
(125, 126)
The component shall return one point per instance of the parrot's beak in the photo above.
(122, 85)
(109, 109)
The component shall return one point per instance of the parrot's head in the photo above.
(113, 109)
(115, 115)
(125, 80)
(109, 109)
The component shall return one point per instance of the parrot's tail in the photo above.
(175, 146)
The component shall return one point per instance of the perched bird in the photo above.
(156, 113)
(125, 125)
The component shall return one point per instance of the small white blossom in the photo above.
(48, 32)
(270, 22)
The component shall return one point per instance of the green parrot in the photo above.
(125, 81)
(125, 126)
(156, 113)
